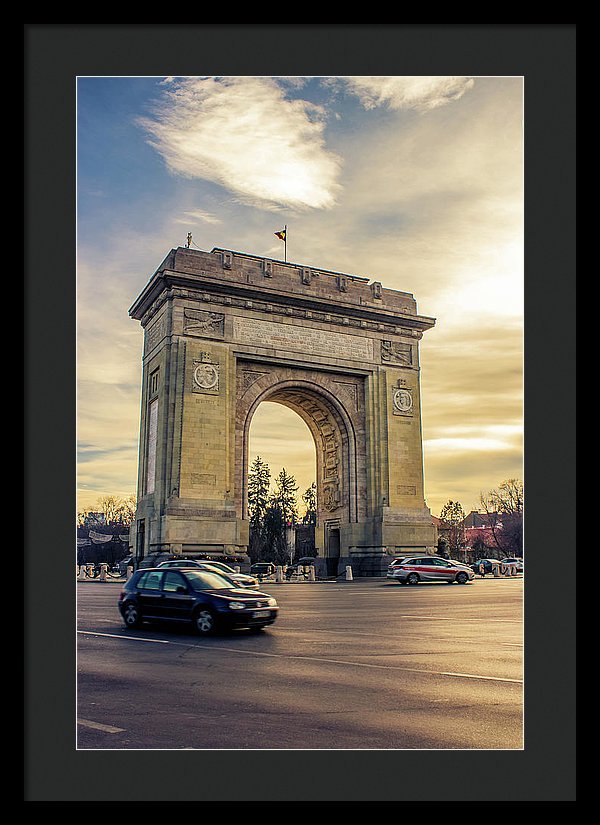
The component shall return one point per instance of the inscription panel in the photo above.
(304, 339)
(154, 333)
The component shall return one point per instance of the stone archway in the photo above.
(226, 331)
(332, 406)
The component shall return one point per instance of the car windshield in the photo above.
(207, 580)
(220, 566)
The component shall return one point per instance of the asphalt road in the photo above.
(351, 665)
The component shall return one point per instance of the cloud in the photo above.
(244, 134)
(198, 215)
(418, 93)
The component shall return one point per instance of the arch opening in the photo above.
(283, 440)
(337, 456)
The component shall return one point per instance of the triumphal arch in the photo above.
(225, 331)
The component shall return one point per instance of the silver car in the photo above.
(240, 579)
(415, 569)
(394, 564)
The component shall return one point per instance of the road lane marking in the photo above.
(127, 638)
(476, 676)
(293, 632)
(97, 726)
(458, 619)
(310, 658)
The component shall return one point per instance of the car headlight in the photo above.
(237, 605)
(272, 603)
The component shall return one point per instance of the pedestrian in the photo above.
(482, 569)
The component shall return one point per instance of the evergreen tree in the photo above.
(275, 547)
(259, 482)
(286, 488)
(310, 500)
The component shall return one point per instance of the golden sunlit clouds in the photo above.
(244, 134)
(418, 93)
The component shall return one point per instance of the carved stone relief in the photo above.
(348, 393)
(331, 496)
(249, 377)
(330, 446)
(393, 352)
(202, 323)
(403, 402)
(205, 375)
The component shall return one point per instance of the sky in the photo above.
(416, 182)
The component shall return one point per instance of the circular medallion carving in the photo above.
(403, 400)
(206, 376)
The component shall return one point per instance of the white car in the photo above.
(416, 569)
(395, 563)
(513, 560)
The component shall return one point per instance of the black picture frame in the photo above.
(55, 54)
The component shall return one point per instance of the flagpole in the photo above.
(285, 244)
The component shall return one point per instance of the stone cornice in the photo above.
(204, 288)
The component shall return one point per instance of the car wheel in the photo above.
(412, 578)
(205, 622)
(462, 578)
(131, 615)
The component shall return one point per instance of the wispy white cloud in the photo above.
(244, 134)
(418, 93)
(198, 215)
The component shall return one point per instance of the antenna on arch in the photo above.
(189, 240)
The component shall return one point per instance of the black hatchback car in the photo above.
(201, 598)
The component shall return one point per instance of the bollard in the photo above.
(513, 569)
(82, 572)
(348, 573)
(90, 571)
(103, 569)
(505, 570)
(279, 574)
(311, 573)
(129, 572)
(496, 570)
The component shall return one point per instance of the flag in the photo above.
(281, 234)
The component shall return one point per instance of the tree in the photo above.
(504, 508)
(117, 512)
(453, 515)
(111, 516)
(274, 534)
(127, 509)
(286, 488)
(259, 482)
(310, 500)
(270, 514)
